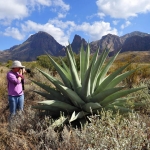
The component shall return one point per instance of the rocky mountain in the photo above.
(77, 42)
(36, 45)
(112, 41)
(135, 33)
(42, 42)
(136, 43)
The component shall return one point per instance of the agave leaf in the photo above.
(47, 88)
(74, 98)
(45, 95)
(72, 55)
(111, 98)
(105, 69)
(96, 69)
(95, 57)
(102, 95)
(87, 56)
(61, 105)
(66, 68)
(43, 86)
(82, 63)
(50, 96)
(122, 101)
(109, 78)
(78, 115)
(62, 72)
(119, 78)
(118, 108)
(124, 98)
(88, 107)
(50, 78)
(85, 90)
(74, 73)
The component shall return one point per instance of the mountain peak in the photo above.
(77, 42)
(34, 46)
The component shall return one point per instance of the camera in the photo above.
(28, 70)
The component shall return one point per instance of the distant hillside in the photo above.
(134, 56)
(42, 42)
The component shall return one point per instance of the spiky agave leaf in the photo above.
(91, 90)
(50, 91)
(105, 69)
(78, 115)
(116, 108)
(82, 63)
(96, 69)
(74, 73)
(65, 76)
(111, 98)
(58, 104)
(109, 79)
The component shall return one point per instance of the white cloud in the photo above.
(14, 32)
(61, 4)
(123, 8)
(127, 23)
(14, 9)
(17, 9)
(61, 15)
(115, 22)
(61, 24)
(101, 15)
(96, 30)
(43, 2)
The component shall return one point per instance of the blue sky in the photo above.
(62, 19)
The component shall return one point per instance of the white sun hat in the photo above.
(17, 64)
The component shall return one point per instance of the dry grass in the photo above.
(135, 56)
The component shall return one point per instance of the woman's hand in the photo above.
(22, 71)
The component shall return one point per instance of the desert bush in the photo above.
(45, 63)
(3, 84)
(106, 132)
(142, 73)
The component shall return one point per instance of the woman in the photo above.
(15, 87)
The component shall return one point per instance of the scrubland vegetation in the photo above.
(105, 131)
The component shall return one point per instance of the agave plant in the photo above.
(82, 93)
